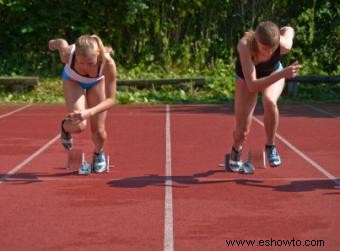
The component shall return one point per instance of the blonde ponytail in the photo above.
(102, 49)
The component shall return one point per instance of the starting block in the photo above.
(258, 158)
(76, 159)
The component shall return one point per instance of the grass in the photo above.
(219, 88)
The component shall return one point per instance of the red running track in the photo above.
(166, 190)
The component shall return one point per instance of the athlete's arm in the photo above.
(286, 39)
(63, 48)
(255, 84)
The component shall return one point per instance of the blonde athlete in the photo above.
(89, 84)
(258, 68)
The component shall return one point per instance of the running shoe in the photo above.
(99, 162)
(273, 156)
(65, 137)
(235, 163)
(247, 167)
(85, 168)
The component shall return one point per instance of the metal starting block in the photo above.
(76, 160)
(258, 158)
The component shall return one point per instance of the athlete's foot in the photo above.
(273, 156)
(99, 162)
(65, 137)
(235, 163)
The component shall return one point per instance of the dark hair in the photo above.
(268, 33)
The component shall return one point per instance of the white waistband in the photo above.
(77, 77)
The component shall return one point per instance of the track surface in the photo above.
(166, 190)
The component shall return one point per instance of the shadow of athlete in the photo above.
(157, 180)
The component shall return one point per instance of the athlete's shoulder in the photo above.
(245, 42)
(109, 65)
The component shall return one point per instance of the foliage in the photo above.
(217, 89)
(49, 90)
(157, 38)
(174, 33)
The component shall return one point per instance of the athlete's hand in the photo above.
(292, 70)
(79, 116)
(53, 45)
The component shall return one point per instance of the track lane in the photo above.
(52, 208)
(8, 110)
(211, 206)
(25, 132)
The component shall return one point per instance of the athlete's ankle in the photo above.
(237, 149)
(63, 126)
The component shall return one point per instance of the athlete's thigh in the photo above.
(74, 96)
(94, 96)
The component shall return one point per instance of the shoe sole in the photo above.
(100, 171)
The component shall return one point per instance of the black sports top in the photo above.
(264, 68)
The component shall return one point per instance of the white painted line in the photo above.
(168, 214)
(248, 179)
(185, 180)
(304, 156)
(30, 158)
(12, 112)
(323, 111)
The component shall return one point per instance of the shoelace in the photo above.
(100, 157)
(273, 151)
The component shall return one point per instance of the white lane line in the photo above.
(30, 158)
(168, 216)
(304, 156)
(187, 180)
(12, 112)
(323, 111)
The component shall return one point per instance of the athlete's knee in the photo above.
(99, 134)
(269, 103)
(80, 127)
(74, 128)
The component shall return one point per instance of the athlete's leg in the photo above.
(95, 95)
(74, 96)
(244, 106)
(271, 112)
(271, 120)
